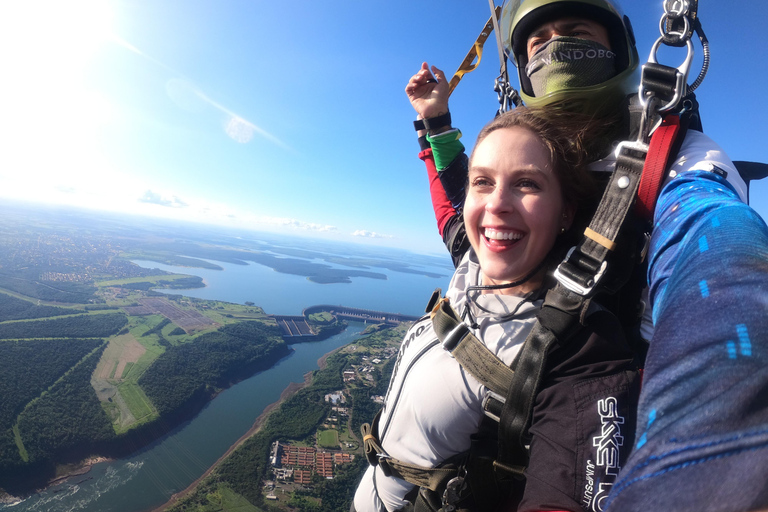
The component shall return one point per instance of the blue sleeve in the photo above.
(703, 410)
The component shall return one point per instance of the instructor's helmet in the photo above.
(521, 17)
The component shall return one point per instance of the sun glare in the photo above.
(49, 113)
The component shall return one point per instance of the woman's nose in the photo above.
(500, 201)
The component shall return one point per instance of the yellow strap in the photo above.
(476, 51)
(368, 437)
(597, 237)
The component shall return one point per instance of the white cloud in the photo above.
(151, 197)
(299, 224)
(370, 234)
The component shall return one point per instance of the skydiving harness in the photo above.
(601, 263)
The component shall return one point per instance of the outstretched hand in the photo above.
(429, 98)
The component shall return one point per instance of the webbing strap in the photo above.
(476, 51)
(659, 152)
(431, 478)
(558, 319)
(586, 263)
(470, 352)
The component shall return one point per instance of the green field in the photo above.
(225, 500)
(137, 401)
(145, 279)
(328, 438)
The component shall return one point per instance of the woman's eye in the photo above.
(481, 184)
(528, 185)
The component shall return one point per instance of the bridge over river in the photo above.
(297, 326)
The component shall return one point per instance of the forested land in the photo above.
(12, 308)
(78, 293)
(68, 418)
(65, 423)
(181, 283)
(78, 326)
(190, 372)
(29, 367)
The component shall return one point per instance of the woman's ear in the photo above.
(569, 212)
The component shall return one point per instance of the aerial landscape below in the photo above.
(118, 363)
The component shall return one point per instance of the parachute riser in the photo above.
(663, 88)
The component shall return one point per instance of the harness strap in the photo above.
(656, 163)
(469, 351)
(430, 478)
(476, 51)
(567, 304)
(560, 317)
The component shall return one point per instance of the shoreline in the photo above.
(289, 391)
(78, 469)
(81, 468)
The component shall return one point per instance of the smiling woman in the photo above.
(527, 182)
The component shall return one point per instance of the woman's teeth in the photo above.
(493, 234)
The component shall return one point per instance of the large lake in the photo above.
(150, 477)
(287, 294)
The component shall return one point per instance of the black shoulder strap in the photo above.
(560, 317)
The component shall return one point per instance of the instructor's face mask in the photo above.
(565, 62)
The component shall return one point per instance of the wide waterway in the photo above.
(151, 476)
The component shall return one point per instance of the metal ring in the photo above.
(684, 35)
(669, 8)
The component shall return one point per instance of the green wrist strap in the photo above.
(445, 148)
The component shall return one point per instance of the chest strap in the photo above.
(430, 478)
(512, 392)
(470, 352)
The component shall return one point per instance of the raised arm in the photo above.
(443, 155)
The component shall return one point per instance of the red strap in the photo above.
(656, 165)
(440, 202)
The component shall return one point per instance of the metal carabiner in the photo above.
(453, 489)
(680, 80)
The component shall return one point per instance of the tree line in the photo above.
(28, 367)
(190, 372)
(78, 293)
(78, 326)
(12, 308)
(65, 423)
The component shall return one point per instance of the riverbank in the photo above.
(63, 472)
(66, 471)
(288, 392)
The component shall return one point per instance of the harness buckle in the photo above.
(383, 464)
(452, 493)
(455, 336)
(569, 283)
(680, 87)
(492, 405)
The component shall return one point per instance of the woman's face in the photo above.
(514, 209)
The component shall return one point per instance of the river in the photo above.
(152, 475)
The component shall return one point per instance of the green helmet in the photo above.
(521, 17)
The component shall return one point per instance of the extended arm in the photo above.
(703, 422)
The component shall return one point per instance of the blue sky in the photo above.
(285, 116)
